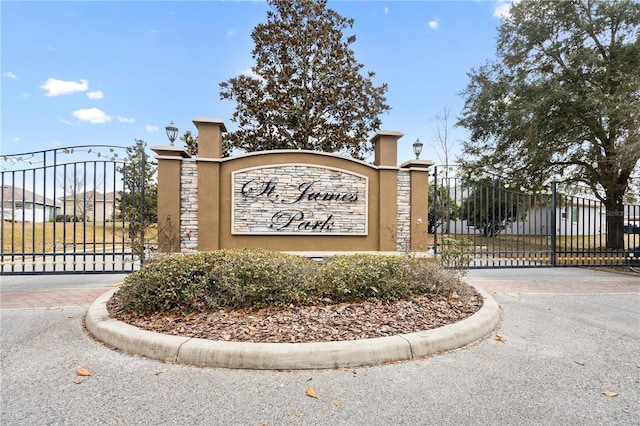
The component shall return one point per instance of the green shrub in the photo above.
(68, 218)
(219, 280)
(368, 277)
(255, 278)
(456, 254)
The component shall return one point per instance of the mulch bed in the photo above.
(310, 323)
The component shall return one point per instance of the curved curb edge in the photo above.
(289, 356)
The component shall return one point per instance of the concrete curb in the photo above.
(289, 356)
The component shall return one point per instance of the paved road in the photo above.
(567, 336)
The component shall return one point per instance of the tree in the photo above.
(490, 207)
(77, 197)
(138, 204)
(306, 91)
(442, 207)
(441, 141)
(191, 143)
(562, 100)
(443, 145)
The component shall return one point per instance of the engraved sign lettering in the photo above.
(299, 199)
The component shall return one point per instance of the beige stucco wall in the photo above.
(197, 195)
(222, 221)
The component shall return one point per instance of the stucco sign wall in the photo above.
(299, 199)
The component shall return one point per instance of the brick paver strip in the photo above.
(85, 297)
(558, 286)
(50, 298)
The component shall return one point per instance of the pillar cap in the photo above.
(170, 151)
(381, 133)
(417, 164)
(197, 121)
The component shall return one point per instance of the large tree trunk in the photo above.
(615, 220)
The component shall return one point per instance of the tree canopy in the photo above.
(490, 207)
(138, 203)
(562, 99)
(306, 90)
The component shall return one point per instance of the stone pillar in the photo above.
(169, 170)
(386, 158)
(209, 159)
(419, 172)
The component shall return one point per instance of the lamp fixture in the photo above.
(172, 132)
(417, 148)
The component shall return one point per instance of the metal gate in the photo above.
(498, 225)
(62, 211)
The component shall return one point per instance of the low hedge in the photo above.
(256, 278)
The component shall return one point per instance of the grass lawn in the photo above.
(570, 250)
(18, 237)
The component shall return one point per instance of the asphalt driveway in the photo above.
(568, 336)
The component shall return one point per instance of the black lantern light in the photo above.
(417, 148)
(172, 132)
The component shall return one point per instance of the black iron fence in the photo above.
(500, 225)
(62, 212)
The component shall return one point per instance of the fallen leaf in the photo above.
(69, 316)
(299, 414)
(579, 362)
(336, 403)
(626, 410)
(311, 393)
(516, 295)
(159, 372)
(609, 393)
(499, 338)
(83, 372)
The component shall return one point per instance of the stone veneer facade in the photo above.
(403, 236)
(189, 206)
(299, 199)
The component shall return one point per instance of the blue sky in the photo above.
(84, 72)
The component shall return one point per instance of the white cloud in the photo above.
(502, 9)
(249, 73)
(15, 140)
(126, 120)
(386, 10)
(9, 74)
(434, 24)
(151, 129)
(231, 33)
(59, 87)
(92, 115)
(95, 95)
(68, 123)
(24, 95)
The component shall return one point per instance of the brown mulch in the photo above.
(311, 323)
